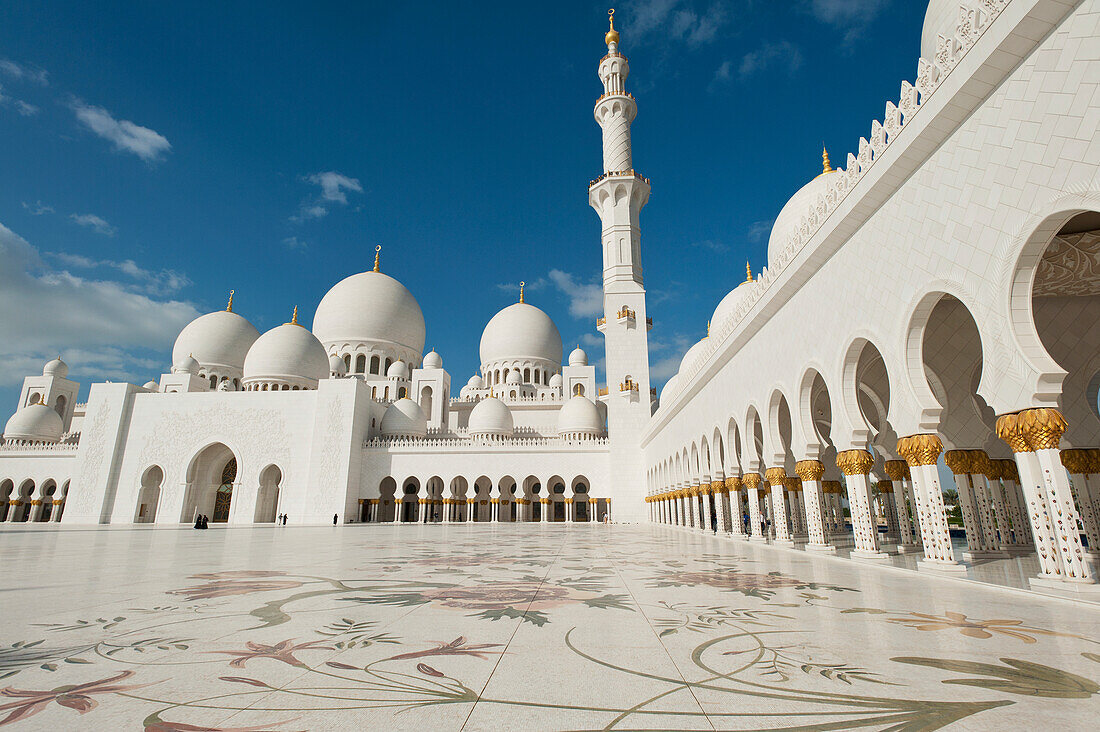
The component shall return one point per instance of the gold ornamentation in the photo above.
(809, 469)
(920, 450)
(752, 480)
(748, 271)
(855, 462)
(377, 252)
(1009, 470)
(1043, 427)
(895, 469)
(1094, 456)
(775, 476)
(885, 487)
(718, 487)
(612, 35)
(1078, 462)
(733, 483)
(294, 317)
(229, 307)
(522, 284)
(980, 463)
(958, 460)
(832, 486)
(793, 483)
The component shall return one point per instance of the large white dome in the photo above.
(491, 417)
(287, 353)
(370, 307)
(404, 418)
(790, 216)
(694, 355)
(219, 339)
(941, 19)
(521, 332)
(35, 423)
(579, 416)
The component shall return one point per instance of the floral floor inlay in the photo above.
(515, 627)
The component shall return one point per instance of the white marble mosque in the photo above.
(934, 302)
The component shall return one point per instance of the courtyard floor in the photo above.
(520, 627)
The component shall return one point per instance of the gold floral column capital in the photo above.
(718, 487)
(752, 480)
(831, 486)
(794, 483)
(1094, 457)
(733, 483)
(1009, 471)
(855, 462)
(1078, 462)
(958, 461)
(885, 486)
(775, 476)
(920, 449)
(704, 489)
(809, 469)
(980, 463)
(896, 469)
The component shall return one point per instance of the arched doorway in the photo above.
(557, 498)
(211, 478)
(47, 494)
(23, 510)
(6, 488)
(580, 499)
(149, 495)
(267, 500)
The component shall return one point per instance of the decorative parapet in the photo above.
(973, 20)
(619, 174)
(602, 391)
(600, 322)
(628, 385)
(432, 443)
(626, 313)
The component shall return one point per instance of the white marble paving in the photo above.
(498, 626)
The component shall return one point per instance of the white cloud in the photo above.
(126, 136)
(759, 230)
(96, 223)
(669, 356)
(165, 281)
(781, 53)
(92, 323)
(585, 300)
(25, 109)
(334, 184)
(23, 72)
(680, 21)
(334, 188)
(293, 242)
(714, 246)
(533, 286)
(724, 72)
(851, 16)
(37, 208)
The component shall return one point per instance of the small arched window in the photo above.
(527, 376)
(578, 390)
(59, 406)
(389, 362)
(347, 362)
(374, 361)
(213, 381)
(35, 398)
(361, 364)
(402, 392)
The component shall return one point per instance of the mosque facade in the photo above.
(933, 303)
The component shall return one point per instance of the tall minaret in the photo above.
(618, 196)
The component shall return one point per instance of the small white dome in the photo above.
(579, 415)
(398, 370)
(151, 385)
(219, 339)
(790, 216)
(491, 417)
(578, 357)
(56, 367)
(433, 360)
(337, 366)
(694, 355)
(513, 378)
(288, 352)
(185, 365)
(728, 306)
(520, 332)
(940, 19)
(404, 418)
(370, 307)
(670, 389)
(556, 381)
(476, 382)
(35, 423)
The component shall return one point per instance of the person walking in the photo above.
(334, 517)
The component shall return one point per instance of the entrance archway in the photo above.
(211, 478)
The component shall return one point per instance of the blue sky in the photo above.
(155, 155)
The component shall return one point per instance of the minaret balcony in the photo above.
(601, 324)
(619, 174)
(626, 314)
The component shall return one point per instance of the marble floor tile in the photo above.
(516, 627)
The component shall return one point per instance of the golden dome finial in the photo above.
(612, 34)
(826, 166)
(294, 316)
(377, 252)
(229, 307)
(708, 329)
(748, 272)
(521, 286)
